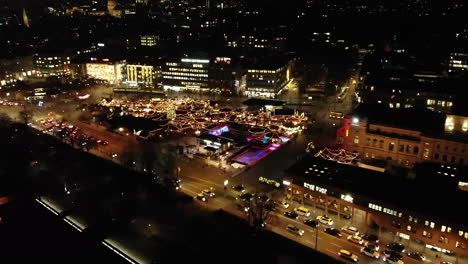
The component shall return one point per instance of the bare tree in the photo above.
(26, 115)
(260, 207)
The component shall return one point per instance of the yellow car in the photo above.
(370, 252)
(355, 239)
(325, 220)
(348, 255)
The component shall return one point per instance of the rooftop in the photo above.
(423, 120)
(438, 198)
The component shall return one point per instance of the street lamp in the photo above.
(226, 182)
(316, 237)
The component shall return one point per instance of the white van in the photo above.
(302, 211)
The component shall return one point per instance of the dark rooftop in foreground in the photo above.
(438, 197)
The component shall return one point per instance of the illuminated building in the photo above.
(266, 81)
(149, 40)
(47, 64)
(458, 62)
(406, 137)
(389, 202)
(396, 89)
(140, 75)
(186, 73)
(104, 70)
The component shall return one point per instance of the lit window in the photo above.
(432, 225)
(356, 140)
(443, 228)
(449, 229)
(460, 233)
(426, 223)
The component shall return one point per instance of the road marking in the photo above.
(336, 245)
(202, 180)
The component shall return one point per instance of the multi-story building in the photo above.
(406, 136)
(104, 69)
(266, 80)
(458, 62)
(48, 64)
(138, 75)
(149, 40)
(388, 201)
(186, 74)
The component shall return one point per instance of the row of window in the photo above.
(439, 102)
(186, 74)
(391, 146)
(385, 210)
(455, 149)
(186, 70)
(184, 78)
(453, 159)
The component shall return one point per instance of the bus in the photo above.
(336, 115)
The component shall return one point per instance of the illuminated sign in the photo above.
(223, 60)
(195, 60)
(100, 44)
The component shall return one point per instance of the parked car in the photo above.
(397, 247)
(391, 254)
(284, 204)
(238, 188)
(370, 252)
(371, 238)
(417, 255)
(393, 260)
(350, 230)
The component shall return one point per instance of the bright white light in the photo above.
(355, 120)
(287, 183)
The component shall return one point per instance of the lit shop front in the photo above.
(104, 71)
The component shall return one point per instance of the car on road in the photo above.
(201, 197)
(393, 260)
(332, 231)
(312, 223)
(325, 220)
(371, 238)
(397, 247)
(294, 229)
(246, 196)
(417, 255)
(391, 254)
(284, 204)
(102, 142)
(370, 252)
(374, 246)
(348, 255)
(209, 192)
(302, 211)
(350, 230)
(238, 188)
(292, 215)
(355, 239)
